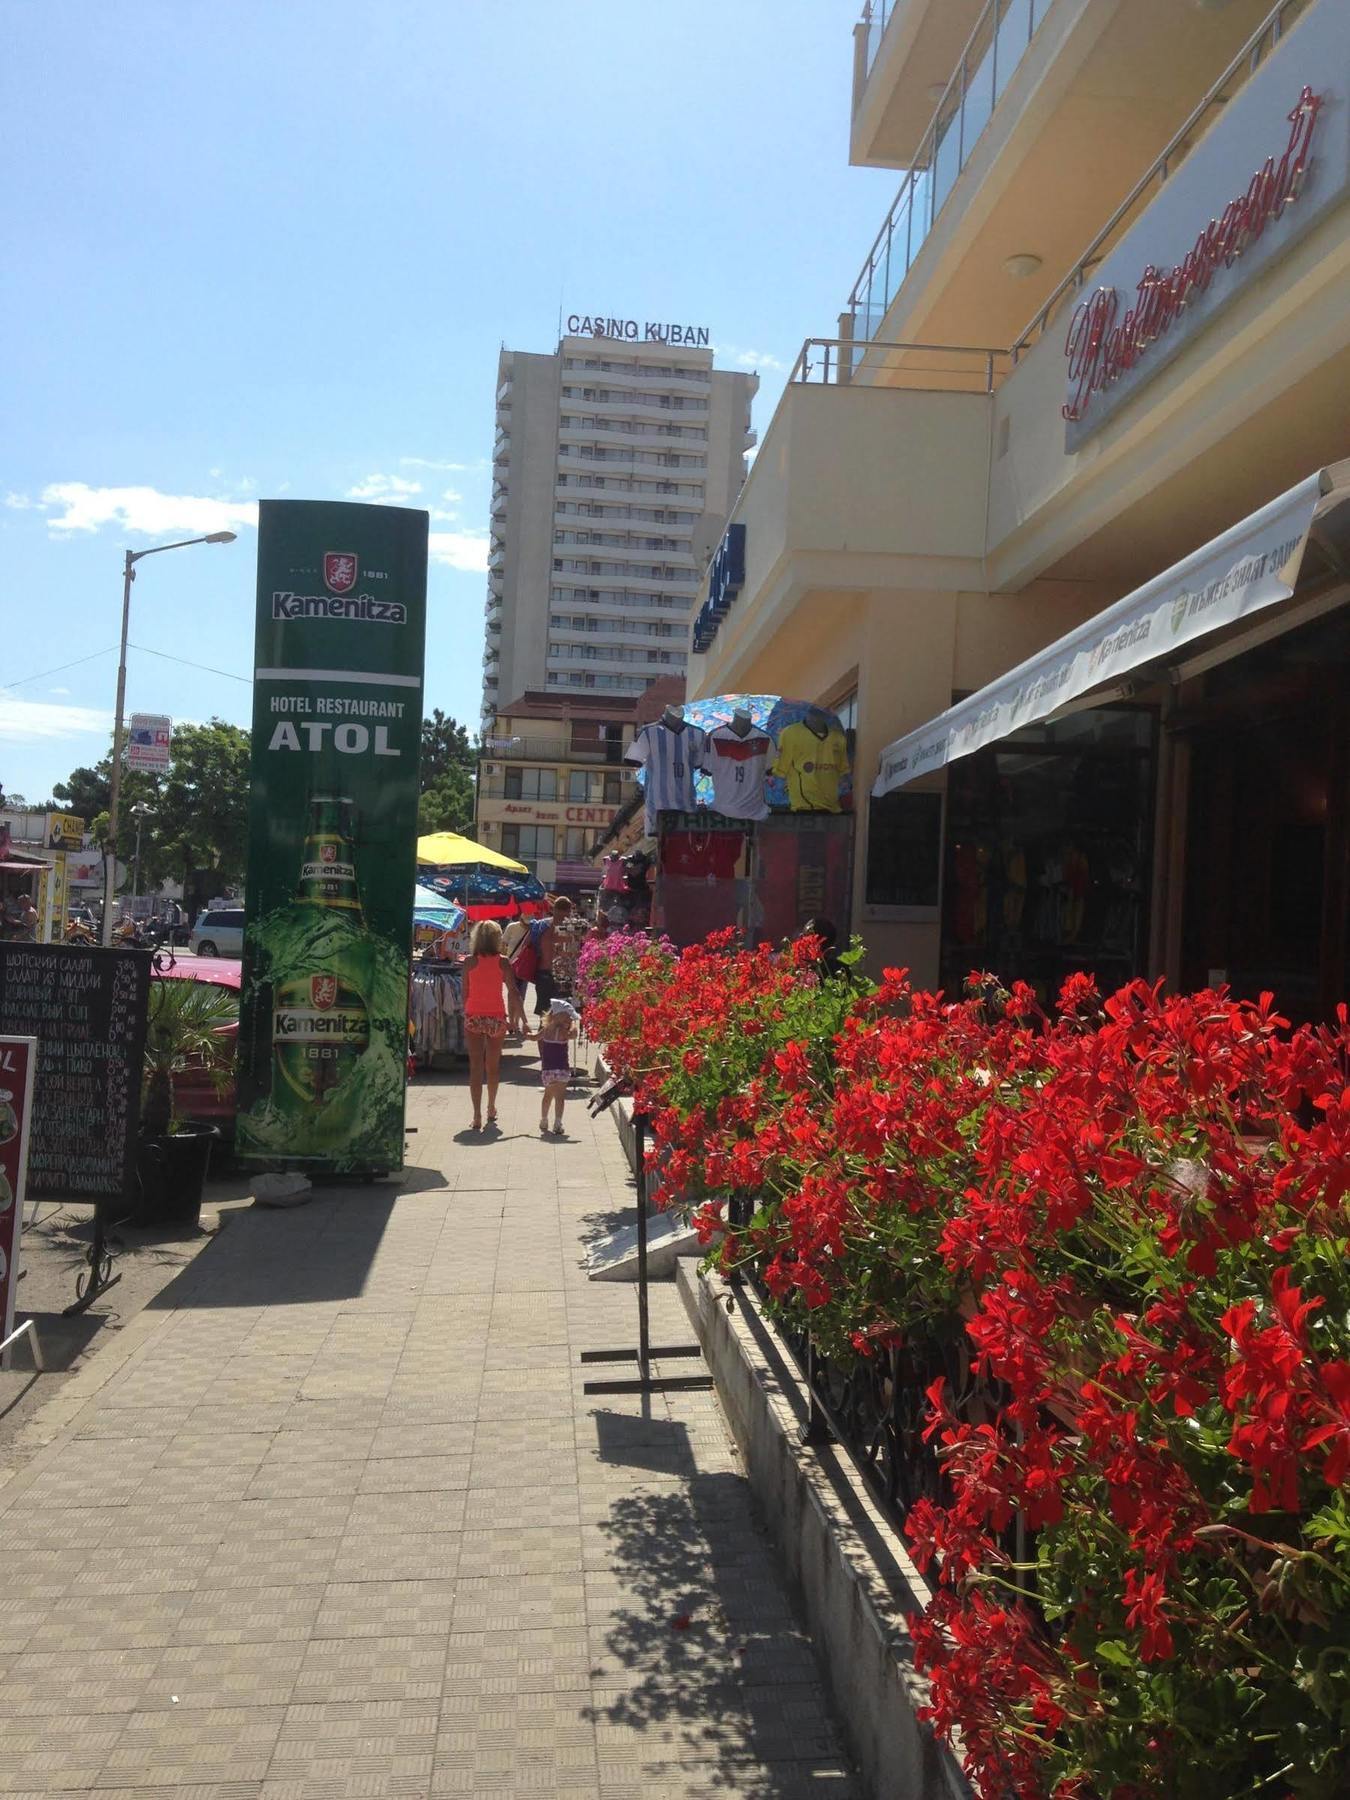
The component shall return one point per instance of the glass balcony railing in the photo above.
(876, 17)
(1000, 40)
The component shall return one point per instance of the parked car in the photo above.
(200, 1098)
(219, 933)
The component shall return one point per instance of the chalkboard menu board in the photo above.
(87, 1010)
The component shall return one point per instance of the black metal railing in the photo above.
(874, 1407)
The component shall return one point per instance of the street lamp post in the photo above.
(115, 784)
(138, 812)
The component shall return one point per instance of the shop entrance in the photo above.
(1269, 823)
(1048, 852)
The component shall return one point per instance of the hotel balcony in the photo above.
(1038, 127)
(873, 475)
(903, 54)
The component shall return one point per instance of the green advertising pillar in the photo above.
(337, 731)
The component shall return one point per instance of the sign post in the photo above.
(337, 729)
(18, 1065)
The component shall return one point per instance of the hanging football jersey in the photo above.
(812, 767)
(736, 766)
(671, 759)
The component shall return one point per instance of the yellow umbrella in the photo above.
(450, 849)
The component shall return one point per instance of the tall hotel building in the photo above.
(616, 462)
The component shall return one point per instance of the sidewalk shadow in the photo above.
(320, 1251)
(704, 1656)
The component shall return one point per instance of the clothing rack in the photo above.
(436, 1011)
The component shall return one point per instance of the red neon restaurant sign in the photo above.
(1100, 351)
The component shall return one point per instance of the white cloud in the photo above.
(58, 690)
(19, 502)
(27, 719)
(389, 490)
(142, 510)
(758, 359)
(452, 495)
(451, 468)
(467, 550)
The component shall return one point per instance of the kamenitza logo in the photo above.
(339, 571)
(363, 607)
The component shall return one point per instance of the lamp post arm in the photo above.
(134, 556)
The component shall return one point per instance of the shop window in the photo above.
(904, 855)
(1047, 861)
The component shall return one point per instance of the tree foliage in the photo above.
(446, 776)
(196, 811)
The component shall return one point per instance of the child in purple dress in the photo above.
(556, 1031)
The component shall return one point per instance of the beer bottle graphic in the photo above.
(320, 1024)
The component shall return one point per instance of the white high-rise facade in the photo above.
(615, 465)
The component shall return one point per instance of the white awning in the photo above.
(1253, 565)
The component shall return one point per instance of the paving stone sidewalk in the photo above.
(344, 1523)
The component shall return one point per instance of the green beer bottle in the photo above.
(320, 1025)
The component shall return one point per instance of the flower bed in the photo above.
(1136, 1211)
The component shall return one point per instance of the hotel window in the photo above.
(531, 784)
(574, 845)
(578, 785)
(613, 789)
(527, 841)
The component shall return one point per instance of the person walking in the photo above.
(490, 994)
(556, 1031)
(557, 947)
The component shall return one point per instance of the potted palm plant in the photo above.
(186, 1028)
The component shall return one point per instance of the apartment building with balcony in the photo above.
(615, 464)
(1055, 519)
(551, 778)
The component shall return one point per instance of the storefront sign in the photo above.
(86, 871)
(726, 578)
(633, 330)
(54, 917)
(18, 1066)
(549, 812)
(1261, 178)
(149, 741)
(337, 717)
(64, 831)
(1252, 566)
(1104, 343)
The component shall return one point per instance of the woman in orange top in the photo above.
(489, 991)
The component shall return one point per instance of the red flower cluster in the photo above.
(1135, 1212)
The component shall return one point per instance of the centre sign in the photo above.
(636, 330)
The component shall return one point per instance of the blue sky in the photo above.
(272, 248)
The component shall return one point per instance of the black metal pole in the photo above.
(644, 1332)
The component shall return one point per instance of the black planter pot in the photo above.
(172, 1172)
